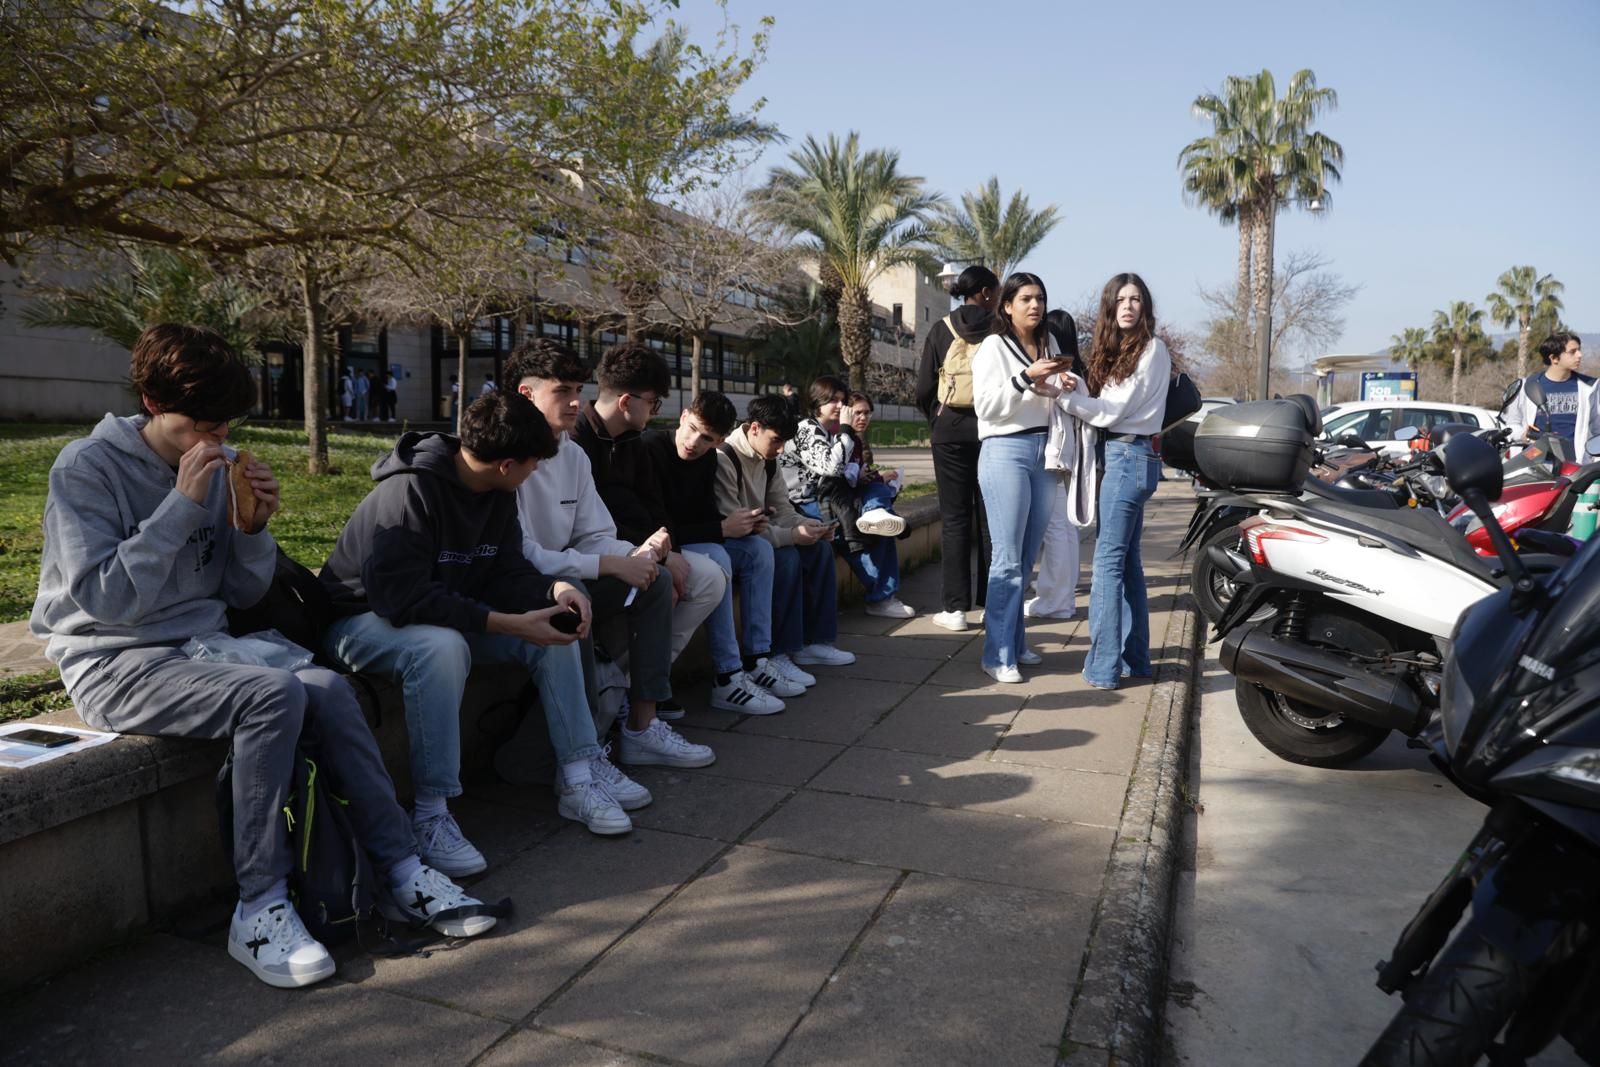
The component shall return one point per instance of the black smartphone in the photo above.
(566, 621)
(43, 738)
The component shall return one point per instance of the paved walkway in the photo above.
(20, 651)
(902, 868)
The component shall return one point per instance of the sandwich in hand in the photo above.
(242, 501)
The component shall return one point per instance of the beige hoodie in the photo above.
(742, 483)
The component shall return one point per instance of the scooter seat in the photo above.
(1375, 499)
(1422, 528)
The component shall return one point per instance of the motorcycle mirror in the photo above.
(1472, 465)
(1407, 433)
(1510, 394)
(1352, 440)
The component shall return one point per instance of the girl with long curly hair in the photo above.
(1123, 392)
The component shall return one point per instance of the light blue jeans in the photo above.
(749, 560)
(878, 568)
(1017, 497)
(1119, 613)
(431, 664)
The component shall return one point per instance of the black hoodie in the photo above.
(947, 423)
(423, 548)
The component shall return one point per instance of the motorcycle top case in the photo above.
(1261, 445)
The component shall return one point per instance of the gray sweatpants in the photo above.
(265, 711)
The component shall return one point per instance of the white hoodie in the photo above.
(566, 527)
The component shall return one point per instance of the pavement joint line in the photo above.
(957, 807)
(539, 1028)
(844, 959)
(918, 870)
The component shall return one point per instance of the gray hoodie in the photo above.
(129, 560)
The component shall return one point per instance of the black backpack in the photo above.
(296, 604)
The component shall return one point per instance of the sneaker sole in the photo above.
(670, 716)
(882, 529)
(952, 627)
(596, 826)
(813, 661)
(635, 804)
(789, 692)
(468, 927)
(653, 759)
(280, 981)
(889, 614)
(745, 709)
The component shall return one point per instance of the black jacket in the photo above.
(688, 491)
(621, 476)
(423, 548)
(949, 423)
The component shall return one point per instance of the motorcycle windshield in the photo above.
(1526, 677)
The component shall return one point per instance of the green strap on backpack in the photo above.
(955, 373)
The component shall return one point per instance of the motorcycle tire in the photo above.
(1213, 589)
(1454, 1012)
(1272, 718)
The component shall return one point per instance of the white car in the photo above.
(1377, 422)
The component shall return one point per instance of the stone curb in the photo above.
(1115, 1017)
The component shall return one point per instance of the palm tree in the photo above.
(1523, 296)
(1456, 328)
(1214, 177)
(1410, 346)
(986, 229)
(1262, 156)
(856, 215)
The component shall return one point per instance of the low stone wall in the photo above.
(123, 838)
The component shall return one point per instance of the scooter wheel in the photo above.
(1299, 734)
(1213, 588)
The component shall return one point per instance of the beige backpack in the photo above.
(955, 374)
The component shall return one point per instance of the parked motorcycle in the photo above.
(1519, 730)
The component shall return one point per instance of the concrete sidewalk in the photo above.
(910, 865)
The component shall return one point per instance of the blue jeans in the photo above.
(878, 568)
(878, 495)
(1017, 497)
(1119, 613)
(749, 560)
(805, 597)
(431, 665)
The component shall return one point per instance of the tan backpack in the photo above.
(955, 374)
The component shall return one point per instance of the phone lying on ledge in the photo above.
(43, 738)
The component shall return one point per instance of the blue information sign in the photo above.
(1389, 385)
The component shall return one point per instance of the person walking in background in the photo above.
(391, 394)
(1123, 392)
(347, 394)
(944, 393)
(1056, 591)
(822, 478)
(1012, 397)
(455, 399)
(488, 385)
(1568, 402)
(363, 392)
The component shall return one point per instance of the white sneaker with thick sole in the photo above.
(629, 794)
(824, 655)
(785, 666)
(277, 948)
(951, 620)
(881, 523)
(774, 681)
(891, 608)
(1030, 657)
(428, 900)
(659, 745)
(1009, 675)
(745, 695)
(443, 847)
(597, 809)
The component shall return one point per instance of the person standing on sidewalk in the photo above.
(1124, 393)
(1012, 397)
(944, 393)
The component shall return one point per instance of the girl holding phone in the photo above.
(1012, 394)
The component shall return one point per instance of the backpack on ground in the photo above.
(955, 373)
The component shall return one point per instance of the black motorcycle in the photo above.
(1519, 730)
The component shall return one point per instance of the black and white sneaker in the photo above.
(744, 694)
(431, 899)
(768, 677)
(278, 948)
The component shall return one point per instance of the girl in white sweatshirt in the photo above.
(1124, 394)
(1012, 399)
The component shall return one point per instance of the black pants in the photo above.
(955, 468)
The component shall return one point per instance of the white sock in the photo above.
(631, 732)
(277, 893)
(429, 806)
(402, 873)
(577, 773)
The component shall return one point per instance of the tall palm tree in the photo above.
(1262, 157)
(986, 229)
(1456, 328)
(1523, 296)
(1215, 178)
(1410, 346)
(857, 215)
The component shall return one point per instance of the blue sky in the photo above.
(1471, 132)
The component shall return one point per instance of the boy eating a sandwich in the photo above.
(152, 530)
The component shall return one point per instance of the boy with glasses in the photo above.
(141, 553)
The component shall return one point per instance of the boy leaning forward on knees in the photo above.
(139, 556)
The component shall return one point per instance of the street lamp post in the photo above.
(1264, 327)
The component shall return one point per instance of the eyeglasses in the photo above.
(218, 426)
(655, 405)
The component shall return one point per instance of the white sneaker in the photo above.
(1030, 657)
(785, 666)
(744, 694)
(891, 608)
(443, 847)
(1030, 610)
(1009, 675)
(951, 620)
(881, 522)
(421, 901)
(629, 794)
(824, 655)
(774, 681)
(660, 745)
(591, 805)
(277, 948)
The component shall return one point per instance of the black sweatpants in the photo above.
(955, 468)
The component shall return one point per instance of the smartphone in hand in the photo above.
(566, 621)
